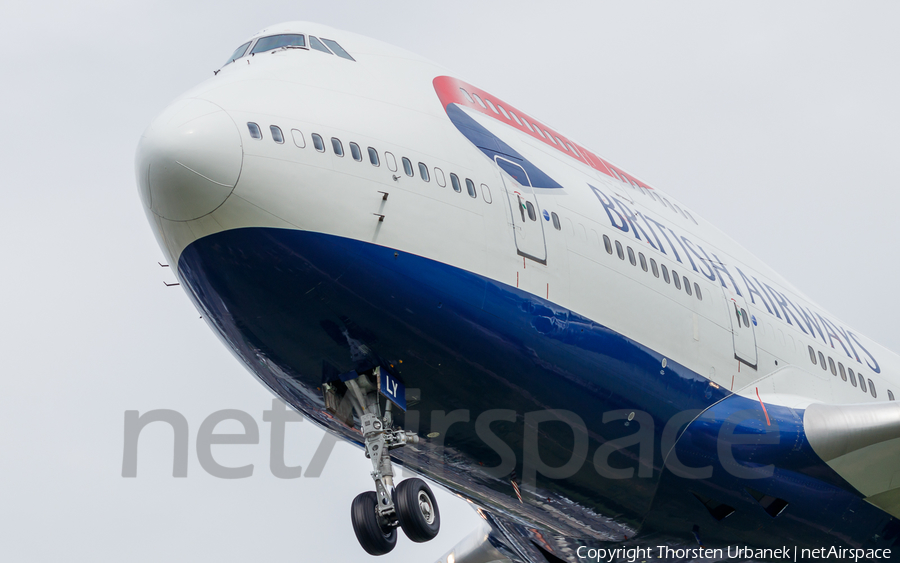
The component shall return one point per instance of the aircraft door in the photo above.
(741, 328)
(528, 228)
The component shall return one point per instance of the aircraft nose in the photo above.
(189, 160)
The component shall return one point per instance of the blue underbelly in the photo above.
(297, 307)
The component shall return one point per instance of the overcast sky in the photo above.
(777, 122)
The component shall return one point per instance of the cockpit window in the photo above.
(238, 53)
(318, 45)
(275, 41)
(337, 49)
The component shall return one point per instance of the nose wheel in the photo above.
(373, 532)
(410, 506)
(417, 510)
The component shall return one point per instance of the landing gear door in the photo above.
(527, 225)
(741, 328)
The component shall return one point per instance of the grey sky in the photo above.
(776, 122)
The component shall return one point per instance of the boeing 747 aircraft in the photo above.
(434, 274)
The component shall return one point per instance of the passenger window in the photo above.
(486, 193)
(439, 177)
(852, 377)
(653, 268)
(373, 157)
(862, 382)
(491, 105)
(390, 161)
(607, 244)
(337, 146)
(531, 214)
(631, 257)
(355, 152)
(822, 362)
(687, 287)
(812, 355)
(470, 187)
(423, 172)
(555, 219)
(665, 272)
(643, 261)
(298, 138)
(318, 143)
(454, 181)
(832, 366)
(318, 45)
(872, 389)
(676, 279)
(697, 291)
(468, 97)
(890, 395)
(407, 167)
(337, 49)
(503, 111)
(744, 314)
(276, 41)
(843, 373)
(620, 252)
(277, 136)
(477, 99)
(238, 53)
(515, 117)
(254, 130)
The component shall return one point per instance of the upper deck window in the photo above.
(275, 41)
(238, 53)
(470, 187)
(277, 136)
(337, 49)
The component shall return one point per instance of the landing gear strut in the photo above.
(410, 506)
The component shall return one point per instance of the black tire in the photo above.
(417, 510)
(371, 536)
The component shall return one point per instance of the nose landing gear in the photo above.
(410, 506)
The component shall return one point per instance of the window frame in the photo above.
(470, 189)
(276, 136)
(302, 143)
(355, 152)
(337, 147)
